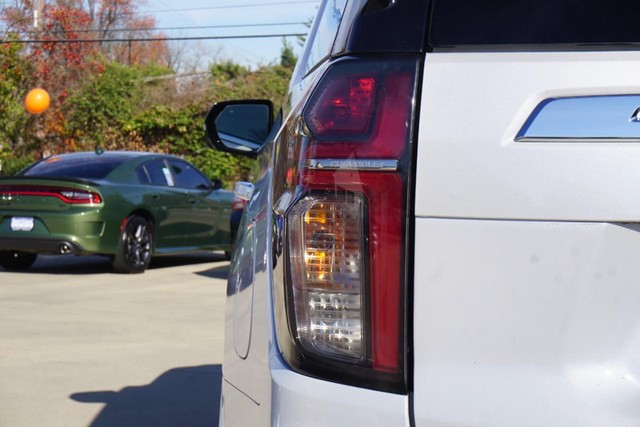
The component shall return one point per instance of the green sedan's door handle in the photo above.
(155, 196)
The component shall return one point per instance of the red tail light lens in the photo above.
(343, 108)
(80, 197)
(238, 204)
(67, 195)
(346, 230)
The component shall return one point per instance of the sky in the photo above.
(250, 18)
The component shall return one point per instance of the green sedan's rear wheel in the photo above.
(17, 260)
(134, 247)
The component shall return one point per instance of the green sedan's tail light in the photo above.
(80, 197)
(70, 196)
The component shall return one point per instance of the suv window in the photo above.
(321, 38)
(533, 22)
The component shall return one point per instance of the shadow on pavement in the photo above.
(96, 264)
(196, 258)
(186, 396)
(221, 272)
(70, 264)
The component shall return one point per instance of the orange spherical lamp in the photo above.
(37, 101)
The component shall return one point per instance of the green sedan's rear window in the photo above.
(95, 167)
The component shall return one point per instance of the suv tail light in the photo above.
(345, 231)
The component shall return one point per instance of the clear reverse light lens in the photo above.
(326, 243)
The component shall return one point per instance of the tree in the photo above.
(288, 59)
(100, 97)
(82, 20)
(102, 105)
(16, 77)
(225, 71)
(66, 54)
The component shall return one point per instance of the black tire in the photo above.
(17, 260)
(134, 247)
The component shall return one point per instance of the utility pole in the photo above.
(38, 25)
(37, 15)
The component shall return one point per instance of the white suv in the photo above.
(445, 227)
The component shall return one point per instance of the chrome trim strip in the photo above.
(578, 139)
(599, 118)
(353, 164)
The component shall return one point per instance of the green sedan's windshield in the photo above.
(83, 167)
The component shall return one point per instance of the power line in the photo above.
(116, 30)
(237, 6)
(151, 39)
(182, 18)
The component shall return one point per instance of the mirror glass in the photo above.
(243, 127)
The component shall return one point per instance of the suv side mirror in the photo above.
(239, 127)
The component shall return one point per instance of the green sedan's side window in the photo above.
(143, 175)
(188, 176)
(155, 172)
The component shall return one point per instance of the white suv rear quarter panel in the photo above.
(474, 104)
(298, 400)
(526, 307)
(527, 324)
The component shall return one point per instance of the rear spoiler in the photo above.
(46, 178)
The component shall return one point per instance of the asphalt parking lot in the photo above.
(83, 346)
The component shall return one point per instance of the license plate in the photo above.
(21, 223)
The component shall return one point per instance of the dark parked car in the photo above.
(242, 192)
(130, 206)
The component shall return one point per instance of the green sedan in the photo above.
(127, 205)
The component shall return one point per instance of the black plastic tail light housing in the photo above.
(341, 301)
